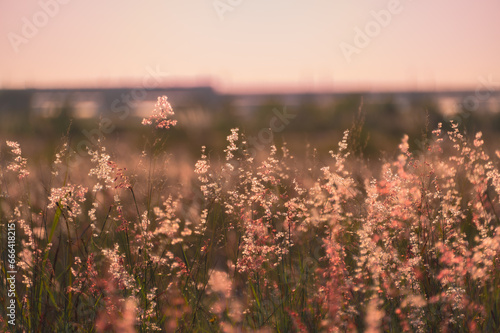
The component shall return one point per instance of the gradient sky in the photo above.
(260, 44)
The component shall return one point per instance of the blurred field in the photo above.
(42, 117)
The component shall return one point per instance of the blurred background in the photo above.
(295, 71)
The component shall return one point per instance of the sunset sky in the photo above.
(260, 44)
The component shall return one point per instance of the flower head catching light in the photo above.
(160, 115)
(20, 163)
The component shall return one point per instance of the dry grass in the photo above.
(255, 244)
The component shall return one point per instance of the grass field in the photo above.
(128, 240)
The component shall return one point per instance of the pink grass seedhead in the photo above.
(19, 165)
(70, 198)
(160, 117)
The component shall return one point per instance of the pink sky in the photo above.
(258, 44)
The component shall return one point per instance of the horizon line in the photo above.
(258, 89)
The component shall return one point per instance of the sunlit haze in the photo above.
(313, 45)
